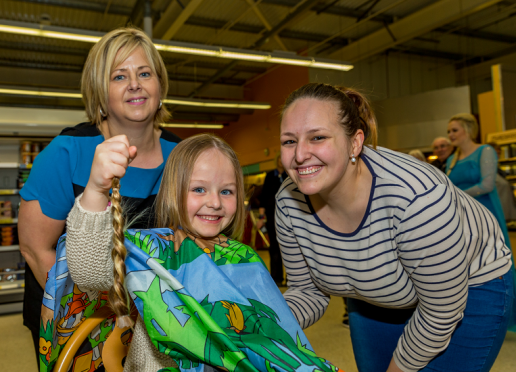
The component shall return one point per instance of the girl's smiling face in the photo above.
(457, 134)
(212, 194)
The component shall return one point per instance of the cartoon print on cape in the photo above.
(203, 302)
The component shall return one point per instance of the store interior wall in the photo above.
(392, 75)
(509, 95)
(410, 122)
(255, 138)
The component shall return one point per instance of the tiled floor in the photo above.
(328, 337)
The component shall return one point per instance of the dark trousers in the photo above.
(274, 251)
(35, 340)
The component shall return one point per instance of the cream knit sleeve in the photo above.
(89, 238)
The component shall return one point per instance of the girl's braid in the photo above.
(118, 295)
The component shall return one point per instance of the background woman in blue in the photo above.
(473, 169)
(123, 84)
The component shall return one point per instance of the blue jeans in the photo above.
(474, 344)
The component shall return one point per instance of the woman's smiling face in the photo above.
(134, 90)
(315, 150)
(456, 133)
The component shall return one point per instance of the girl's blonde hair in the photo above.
(104, 57)
(171, 206)
(171, 201)
(353, 108)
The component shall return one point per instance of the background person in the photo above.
(504, 189)
(123, 84)
(473, 167)
(424, 265)
(442, 148)
(418, 154)
(271, 185)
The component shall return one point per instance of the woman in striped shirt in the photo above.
(424, 265)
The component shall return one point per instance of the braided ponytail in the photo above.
(118, 296)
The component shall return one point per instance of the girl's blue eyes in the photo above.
(200, 190)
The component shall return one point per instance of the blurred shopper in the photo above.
(271, 185)
(418, 154)
(473, 169)
(123, 84)
(429, 286)
(504, 189)
(442, 148)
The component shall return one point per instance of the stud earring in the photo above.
(102, 113)
(353, 159)
(160, 104)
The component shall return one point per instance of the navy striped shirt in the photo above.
(421, 243)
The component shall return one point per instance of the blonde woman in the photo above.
(123, 85)
(472, 168)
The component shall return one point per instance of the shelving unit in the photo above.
(13, 172)
(11, 291)
(9, 248)
(507, 142)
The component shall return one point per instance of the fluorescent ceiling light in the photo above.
(23, 28)
(171, 101)
(193, 125)
(40, 93)
(213, 103)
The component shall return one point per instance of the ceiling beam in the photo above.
(267, 25)
(251, 29)
(174, 18)
(335, 10)
(477, 34)
(416, 24)
(293, 17)
(84, 5)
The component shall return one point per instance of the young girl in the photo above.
(202, 191)
(202, 200)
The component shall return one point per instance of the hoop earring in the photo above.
(353, 159)
(102, 113)
(160, 104)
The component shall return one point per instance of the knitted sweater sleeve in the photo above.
(88, 252)
(88, 247)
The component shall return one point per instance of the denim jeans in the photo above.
(474, 344)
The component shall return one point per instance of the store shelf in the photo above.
(9, 248)
(509, 160)
(15, 166)
(8, 221)
(510, 178)
(12, 272)
(7, 286)
(9, 191)
(9, 165)
(12, 307)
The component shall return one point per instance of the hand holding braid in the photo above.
(118, 295)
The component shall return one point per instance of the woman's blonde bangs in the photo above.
(113, 49)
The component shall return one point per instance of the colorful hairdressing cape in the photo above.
(203, 303)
